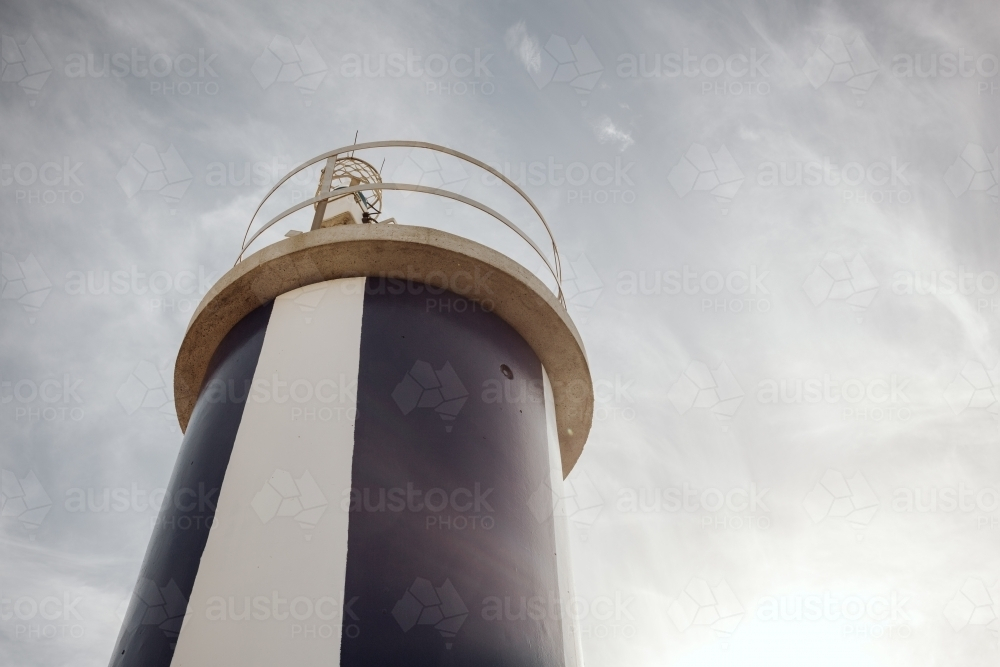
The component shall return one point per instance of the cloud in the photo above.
(608, 132)
(524, 46)
(256, 120)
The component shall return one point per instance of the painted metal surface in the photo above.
(382, 466)
(153, 620)
(444, 553)
(551, 496)
(270, 587)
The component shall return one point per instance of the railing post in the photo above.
(324, 189)
(322, 198)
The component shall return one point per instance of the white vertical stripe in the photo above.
(279, 539)
(572, 647)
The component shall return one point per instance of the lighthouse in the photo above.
(378, 418)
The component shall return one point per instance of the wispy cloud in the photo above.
(525, 46)
(608, 132)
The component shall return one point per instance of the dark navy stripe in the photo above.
(412, 572)
(153, 621)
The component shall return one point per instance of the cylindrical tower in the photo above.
(377, 421)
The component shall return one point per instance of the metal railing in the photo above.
(327, 194)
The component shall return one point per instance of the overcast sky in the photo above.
(779, 227)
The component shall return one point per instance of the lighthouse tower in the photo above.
(377, 422)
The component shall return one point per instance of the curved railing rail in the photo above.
(554, 265)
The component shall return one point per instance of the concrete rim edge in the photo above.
(517, 296)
